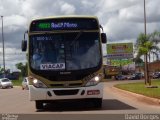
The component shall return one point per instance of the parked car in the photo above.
(25, 84)
(135, 77)
(120, 77)
(156, 75)
(141, 75)
(5, 83)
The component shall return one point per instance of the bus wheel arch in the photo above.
(39, 104)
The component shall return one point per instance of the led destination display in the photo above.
(57, 25)
(64, 24)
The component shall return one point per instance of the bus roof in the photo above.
(66, 16)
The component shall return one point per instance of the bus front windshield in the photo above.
(65, 51)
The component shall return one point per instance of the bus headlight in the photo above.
(38, 84)
(94, 81)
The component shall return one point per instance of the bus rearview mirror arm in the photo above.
(24, 42)
(103, 35)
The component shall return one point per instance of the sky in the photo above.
(123, 20)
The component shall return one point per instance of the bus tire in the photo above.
(98, 102)
(39, 105)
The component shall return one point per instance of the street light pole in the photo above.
(145, 30)
(3, 48)
(145, 56)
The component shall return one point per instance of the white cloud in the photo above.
(9, 7)
(27, 10)
(14, 22)
(67, 8)
(120, 30)
(134, 13)
(121, 19)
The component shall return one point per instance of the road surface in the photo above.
(16, 101)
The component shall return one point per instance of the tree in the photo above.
(23, 68)
(145, 45)
(155, 38)
(7, 71)
(139, 63)
(1, 70)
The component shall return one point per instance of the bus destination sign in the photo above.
(64, 24)
(57, 25)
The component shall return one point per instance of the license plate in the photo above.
(93, 92)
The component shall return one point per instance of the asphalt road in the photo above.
(16, 101)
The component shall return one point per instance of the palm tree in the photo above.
(155, 38)
(146, 44)
(142, 44)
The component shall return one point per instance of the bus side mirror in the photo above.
(24, 45)
(103, 37)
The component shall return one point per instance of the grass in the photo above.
(17, 82)
(140, 88)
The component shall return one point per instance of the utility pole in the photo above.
(3, 49)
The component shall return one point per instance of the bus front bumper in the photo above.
(65, 93)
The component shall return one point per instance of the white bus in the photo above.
(65, 59)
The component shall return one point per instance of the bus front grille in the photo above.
(68, 85)
(66, 92)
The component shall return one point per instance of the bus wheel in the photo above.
(98, 102)
(39, 105)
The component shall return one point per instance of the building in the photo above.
(154, 66)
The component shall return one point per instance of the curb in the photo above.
(139, 97)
